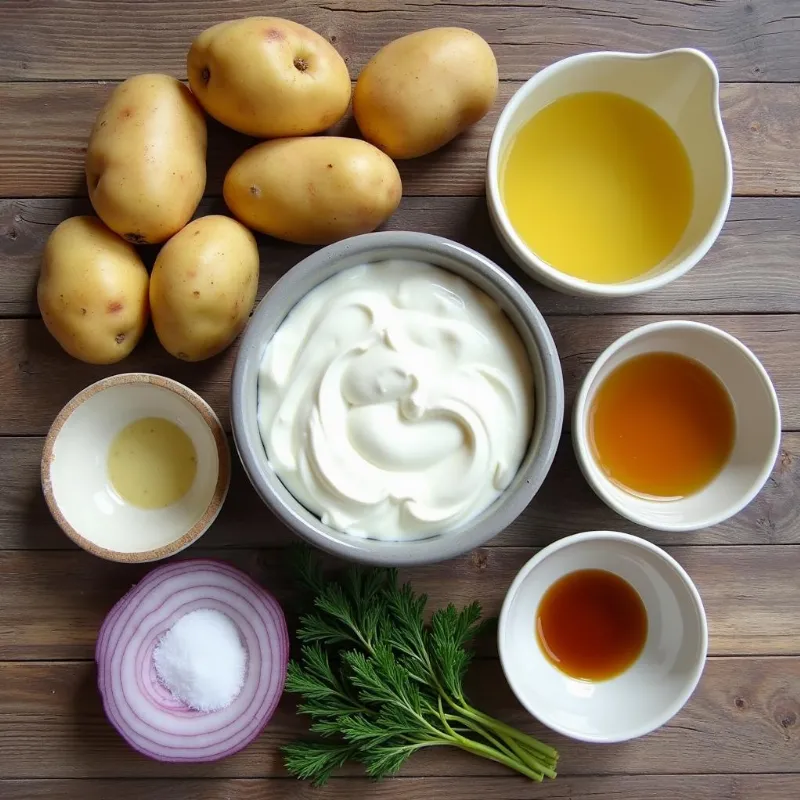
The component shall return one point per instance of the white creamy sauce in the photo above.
(395, 401)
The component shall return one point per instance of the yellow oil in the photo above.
(152, 463)
(599, 186)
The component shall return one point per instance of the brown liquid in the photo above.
(591, 624)
(662, 425)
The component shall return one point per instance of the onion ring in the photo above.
(144, 713)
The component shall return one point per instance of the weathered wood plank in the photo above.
(750, 41)
(39, 378)
(751, 594)
(742, 718)
(638, 787)
(772, 518)
(46, 125)
(751, 269)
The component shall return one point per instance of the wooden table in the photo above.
(739, 736)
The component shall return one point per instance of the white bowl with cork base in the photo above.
(135, 467)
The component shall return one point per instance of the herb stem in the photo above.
(509, 751)
(492, 754)
(512, 748)
(546, 767)
(481, 731)
(510, 733)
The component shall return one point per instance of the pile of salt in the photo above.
(201, 660)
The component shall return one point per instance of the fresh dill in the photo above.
(379, 683)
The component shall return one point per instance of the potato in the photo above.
(92, 291)
(269, 77)
(203, 287)
(313, 190)
(146, 161)
(421, 91)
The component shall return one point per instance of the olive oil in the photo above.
(591, 624)
(662, 425)
(599, 186)
(152, 463)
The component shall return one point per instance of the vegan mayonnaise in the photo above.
(395, 401)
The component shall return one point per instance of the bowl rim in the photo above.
(438, 547)
(608, 536)
(220, 489)
(541, 269)
(587, 462)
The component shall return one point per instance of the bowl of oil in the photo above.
(609, 174)
(135, 467)
(603, 636)
(677, 425)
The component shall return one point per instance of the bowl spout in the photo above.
(683, 87)
(680, 85)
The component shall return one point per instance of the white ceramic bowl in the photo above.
(654, 688)
(682, 86)
(74, 469)
(758, 426)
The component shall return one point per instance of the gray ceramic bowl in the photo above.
(548, 387)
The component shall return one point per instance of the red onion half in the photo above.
(144, 712)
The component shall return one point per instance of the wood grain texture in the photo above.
(772, 518)
(751, 41)
(655, 787)
(46, 126)
(39, 378)
(738, 737)
(751, 594)
(752, 268)
(637, 787)
(743, 717)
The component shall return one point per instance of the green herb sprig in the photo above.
(379, 684)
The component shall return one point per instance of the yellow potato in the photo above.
(203, 287)
(269, 77)
(313, 190)
(146, 160)
(92, 291)
(421, 91)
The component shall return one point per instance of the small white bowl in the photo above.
(75, 479)
(682, 87)
(654, 688)
(758, 426)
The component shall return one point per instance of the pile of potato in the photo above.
(272, 79)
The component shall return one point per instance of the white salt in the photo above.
(201, 660)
